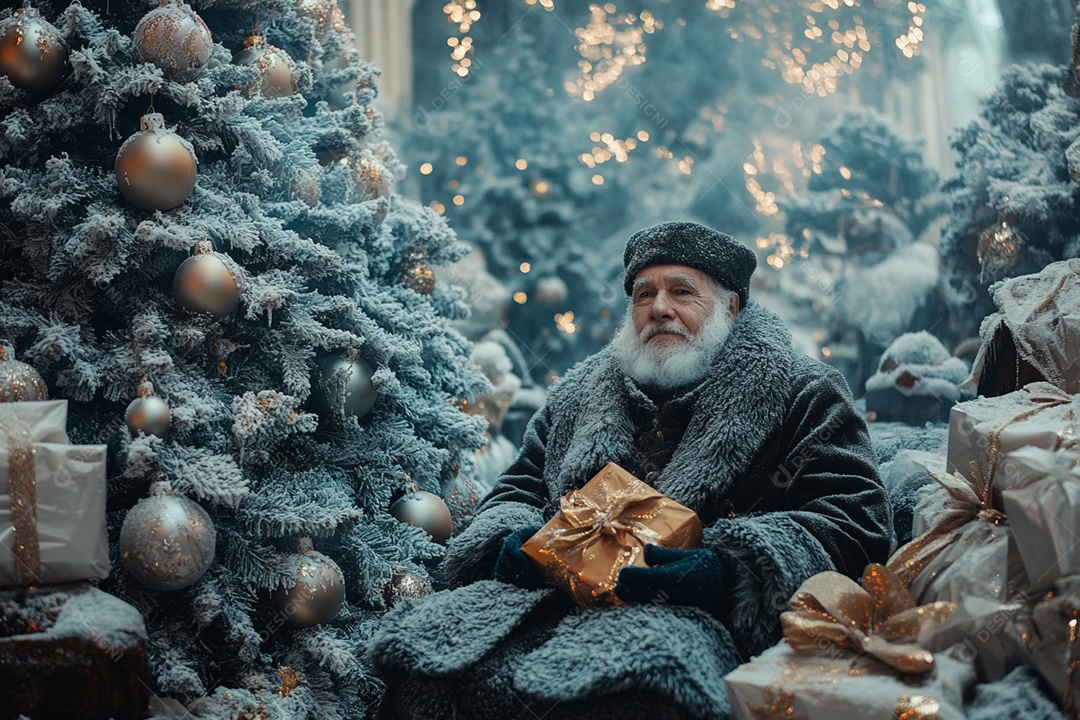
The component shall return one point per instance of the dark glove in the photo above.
(678, 577)
(514, 566)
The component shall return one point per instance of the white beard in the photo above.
(673, 363)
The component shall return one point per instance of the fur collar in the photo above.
(742, 400)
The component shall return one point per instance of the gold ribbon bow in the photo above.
(22, 481)
(831, 611)
(618, 513)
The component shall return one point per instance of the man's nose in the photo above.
(661, 307)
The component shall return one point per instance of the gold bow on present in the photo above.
(831, 611)
(620, 513)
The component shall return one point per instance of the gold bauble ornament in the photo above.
(32, 55)
(206, 283)
(373, 182)
(427, 511)
(175, 39)
(167, 542)
(326, 14)
(315, 589)
(405, 583)
(416, 274)
(1000, 248)
(156, 168)
(148, 414)
(277, 71)
(18, 381)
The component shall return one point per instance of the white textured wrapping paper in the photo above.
(46, 420)
(1052, 425)
(70, 514)
(784, 683)
(1043, 507)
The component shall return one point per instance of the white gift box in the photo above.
(1038, 415)
(837, 686)
(68, 495)
(46, 420)
(1043, 507)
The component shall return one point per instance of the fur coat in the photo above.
(772, 456)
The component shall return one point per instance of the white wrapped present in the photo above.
(851, 653)
(982, 431)
(52, 508)
(1043, 506)
(966, 551)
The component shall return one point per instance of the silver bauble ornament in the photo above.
(148, 414)
(155, 167)
(426, 511)
(405, 584)
(205, 284)
(1000, 247)
(342, 383)
(277, 71)
(175, 39)
(18, 381)
(342, 93)
(32, 55)
(373, 182)
(315, 590)
(326, 14)
(167, 541)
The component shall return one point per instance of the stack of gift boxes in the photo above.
(991, 580)
(67, 649)
(52, 499)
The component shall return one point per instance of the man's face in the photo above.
(671, 303)
(678, 318)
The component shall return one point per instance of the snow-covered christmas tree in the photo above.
(500, 159)
(294, 381)
(849, 263)
(1015, 197)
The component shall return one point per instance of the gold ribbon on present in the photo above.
(603, 527)
(968, 501)
(618, 513)
(22, 481)
(831, 611)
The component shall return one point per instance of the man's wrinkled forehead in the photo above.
(674, 276)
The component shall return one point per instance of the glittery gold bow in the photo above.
(832, 612)
(22, 481)
(618, 512)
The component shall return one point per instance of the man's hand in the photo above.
(514, 566)
(678, 577)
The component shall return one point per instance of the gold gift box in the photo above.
(604, 527)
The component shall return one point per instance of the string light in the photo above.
(607, 45)
(426, 169)
(520, 298)
(823, 41)
(608, 148)
(462, 13)
(524, 267)
(565, 322)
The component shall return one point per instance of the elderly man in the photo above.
(701, 395)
